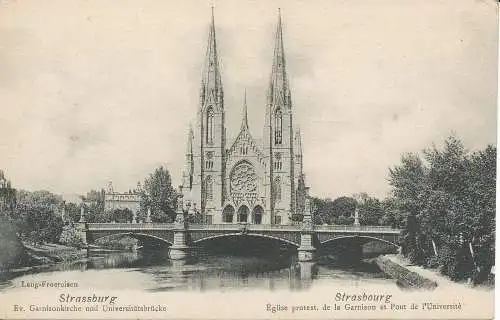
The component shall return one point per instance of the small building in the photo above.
(130, 200)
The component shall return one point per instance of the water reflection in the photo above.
(153, 271)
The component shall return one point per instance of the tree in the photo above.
(446, 207)
(369, 208)
(338, 211)
(71, 237)
(122, 215)
(71, 212)
(39, 216)
(7, 196)
(94, 202)
(159, 195)
(408, 181)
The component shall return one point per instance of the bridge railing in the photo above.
(222, 226)
(241, 226)
(131, 226)
(238, 227)
(351, 228)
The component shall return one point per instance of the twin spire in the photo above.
(211, 83)
(279, 93)
(211, 86)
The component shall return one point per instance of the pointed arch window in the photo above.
(277, 189)
(209, 188)
(278, 164)
(209, 162)
(278, 127)
(243, 149)
(210, 125)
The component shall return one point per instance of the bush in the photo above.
(122, 243)
(12, 253)
(71, 237)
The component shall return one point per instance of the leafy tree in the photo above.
(343, 210)
(122, 215)
(408, 181)
(370, 209)
(12, 253)
(71, 237)
(321, 214)
(7, 196)
(446, 206)
(392, 216)
(338, 211)
(159, 195)
(94, 202)
(39, 216)
(71, 212)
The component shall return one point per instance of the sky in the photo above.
(96, 91)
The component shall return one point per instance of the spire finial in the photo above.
(278, 92)
(244, 121)
(213, 19)
(189, 144)
(211, 83)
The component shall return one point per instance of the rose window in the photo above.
(243, 179)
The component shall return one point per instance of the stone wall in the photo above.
(405, 277)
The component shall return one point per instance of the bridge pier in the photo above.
(179, 250)
(306, 251)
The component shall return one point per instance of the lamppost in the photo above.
(82, 214)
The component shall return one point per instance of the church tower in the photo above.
(279, 137)
(244, 181)
(208, 143)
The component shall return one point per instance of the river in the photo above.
(153, 271)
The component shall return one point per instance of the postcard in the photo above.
(248, 159)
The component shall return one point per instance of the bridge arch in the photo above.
(135, 235)
(239, 234)
(395, 245)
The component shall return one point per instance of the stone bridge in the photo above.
(182, 236)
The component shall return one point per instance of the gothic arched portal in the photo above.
(243, 213)
(227, 214)
(257, 213)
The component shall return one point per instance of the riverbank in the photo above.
(405, 277)
(46, 256)
(49, 253)
(41, 257)
(431, 275)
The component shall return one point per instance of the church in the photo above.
(244, 181)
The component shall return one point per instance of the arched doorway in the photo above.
(243, 213)
(227, 214)
(257, 214)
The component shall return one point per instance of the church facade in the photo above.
(243, 180)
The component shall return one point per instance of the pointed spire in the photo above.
(189, 145)
(244, 120)
(211, 85)
(298, 143)
(279, 92)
